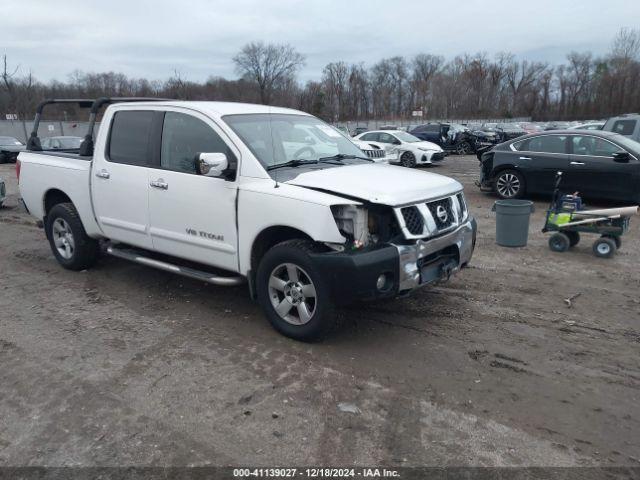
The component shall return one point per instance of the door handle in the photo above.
(525, 158)
(160, 183)
(577, 163)
(102, 174)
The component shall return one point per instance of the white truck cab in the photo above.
(229, 193)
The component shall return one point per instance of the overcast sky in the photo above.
(151, 38)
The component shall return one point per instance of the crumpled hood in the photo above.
(379, 183)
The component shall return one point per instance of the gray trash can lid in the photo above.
(514, 206)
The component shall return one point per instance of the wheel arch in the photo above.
(265, 240)
(53, 197)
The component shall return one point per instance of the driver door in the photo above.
(192, 216)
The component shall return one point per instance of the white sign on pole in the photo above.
(51, 128)
(11, 116)
(416, 113)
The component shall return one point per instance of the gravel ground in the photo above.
(124, 365)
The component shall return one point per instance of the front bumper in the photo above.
(354, 275)
(433, 156)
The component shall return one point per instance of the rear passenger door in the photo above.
(540, 158)
(120, 179)
(192, 216)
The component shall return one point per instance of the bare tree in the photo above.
(267, 64)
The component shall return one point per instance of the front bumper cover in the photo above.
(352, 275)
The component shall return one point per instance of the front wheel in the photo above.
(509, 184)
(408, 159)
(69, 241)
(559, 242)
(292, 293)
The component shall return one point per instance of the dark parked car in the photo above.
(595, 163)
(505, 131)
(10, 147)
(483, 135)
(451, 137)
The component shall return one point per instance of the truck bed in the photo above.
(48, 173)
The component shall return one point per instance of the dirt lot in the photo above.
(127, 365)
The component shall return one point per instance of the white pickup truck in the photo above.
(229, 193)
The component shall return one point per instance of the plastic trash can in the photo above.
(512, 222)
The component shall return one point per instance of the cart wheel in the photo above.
(559, 242)
(604, 247)
(574, 238)
(616, 239)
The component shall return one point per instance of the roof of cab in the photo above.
(217, 108)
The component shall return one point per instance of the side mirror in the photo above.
(397, 142)
(211, 164)
(621, 157)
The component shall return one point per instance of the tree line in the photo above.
(467, 86)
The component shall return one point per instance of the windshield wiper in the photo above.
(343, 156)
(292, 163)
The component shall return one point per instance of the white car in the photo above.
(588, 126)
(230, 193)
(376, 152)
(409, 149)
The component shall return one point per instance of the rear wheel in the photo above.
(408, 159)
(559, 242)
(604, 247)
(293, 295)
(69, 241)
(509, 184)
(574, 238)
(463, 148)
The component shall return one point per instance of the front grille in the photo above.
(463, 206)
(436, 157)
(413, 220)
(374, 153)
(442, 213)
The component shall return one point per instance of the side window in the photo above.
(129, 137)
(521, 146)
(587, 145)
(183, 138)
(624, 127)
(432, 127)
(370, 137)
(548, 144)
(385, 138)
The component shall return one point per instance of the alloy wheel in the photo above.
(63, 238)
(508, 185)
(292, 293)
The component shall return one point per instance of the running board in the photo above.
(135, 256)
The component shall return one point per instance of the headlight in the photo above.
(463, 212)
(353, 222)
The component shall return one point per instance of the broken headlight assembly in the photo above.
(365, 226)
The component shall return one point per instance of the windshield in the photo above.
(276, 139)
(9, 141)
(406, 137)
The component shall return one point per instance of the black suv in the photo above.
(452, 137)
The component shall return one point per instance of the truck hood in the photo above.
(379, 183)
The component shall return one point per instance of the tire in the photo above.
(509, 184)
(408, 159)
(463, 148)
(604, 247)
(574, 238)
(69, 242)
(617, 240)
(308, 311)
(559, 242)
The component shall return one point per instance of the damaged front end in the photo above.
(390, 251)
